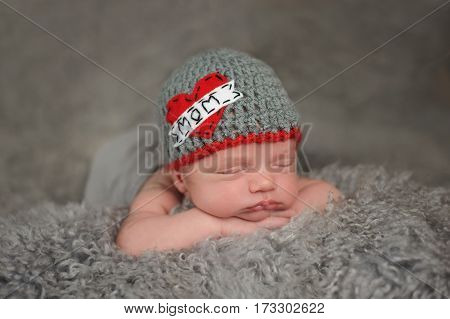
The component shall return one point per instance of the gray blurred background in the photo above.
(56, 108)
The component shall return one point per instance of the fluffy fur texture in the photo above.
(389, 238)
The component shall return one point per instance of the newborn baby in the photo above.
(230, 198)
(231, 136)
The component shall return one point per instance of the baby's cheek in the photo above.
(215, 200)
(289, 187)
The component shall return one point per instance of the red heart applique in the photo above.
(181, 102)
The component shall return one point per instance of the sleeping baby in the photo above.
(230, 138)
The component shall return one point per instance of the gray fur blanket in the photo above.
(389, 238)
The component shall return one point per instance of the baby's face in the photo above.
(229, 182)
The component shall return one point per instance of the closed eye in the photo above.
(231, 171)
(285, 163)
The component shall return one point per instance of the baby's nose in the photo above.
(261, 182)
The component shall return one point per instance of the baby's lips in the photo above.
(273, 207)
(269, 207)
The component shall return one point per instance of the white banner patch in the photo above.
(202, 109)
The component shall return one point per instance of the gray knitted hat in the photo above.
(222, 98)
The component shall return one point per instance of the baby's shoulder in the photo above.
(306, 182)
(318, 187)
(184, 205)
(157, 192)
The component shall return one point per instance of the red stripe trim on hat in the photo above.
(213, 147)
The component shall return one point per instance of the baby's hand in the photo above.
(228, 226)
(238, 226)
(314, 195)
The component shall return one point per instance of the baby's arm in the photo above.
(312, 194)
(150, 227)
(315, 193)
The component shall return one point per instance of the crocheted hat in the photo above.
(222, 98)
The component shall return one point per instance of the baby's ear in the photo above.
(178, 180)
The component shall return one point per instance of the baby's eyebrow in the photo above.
(231, 160)
(236, 160)
(242, 159)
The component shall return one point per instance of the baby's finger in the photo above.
(273, 222)
(237, 226)
(287, 213)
